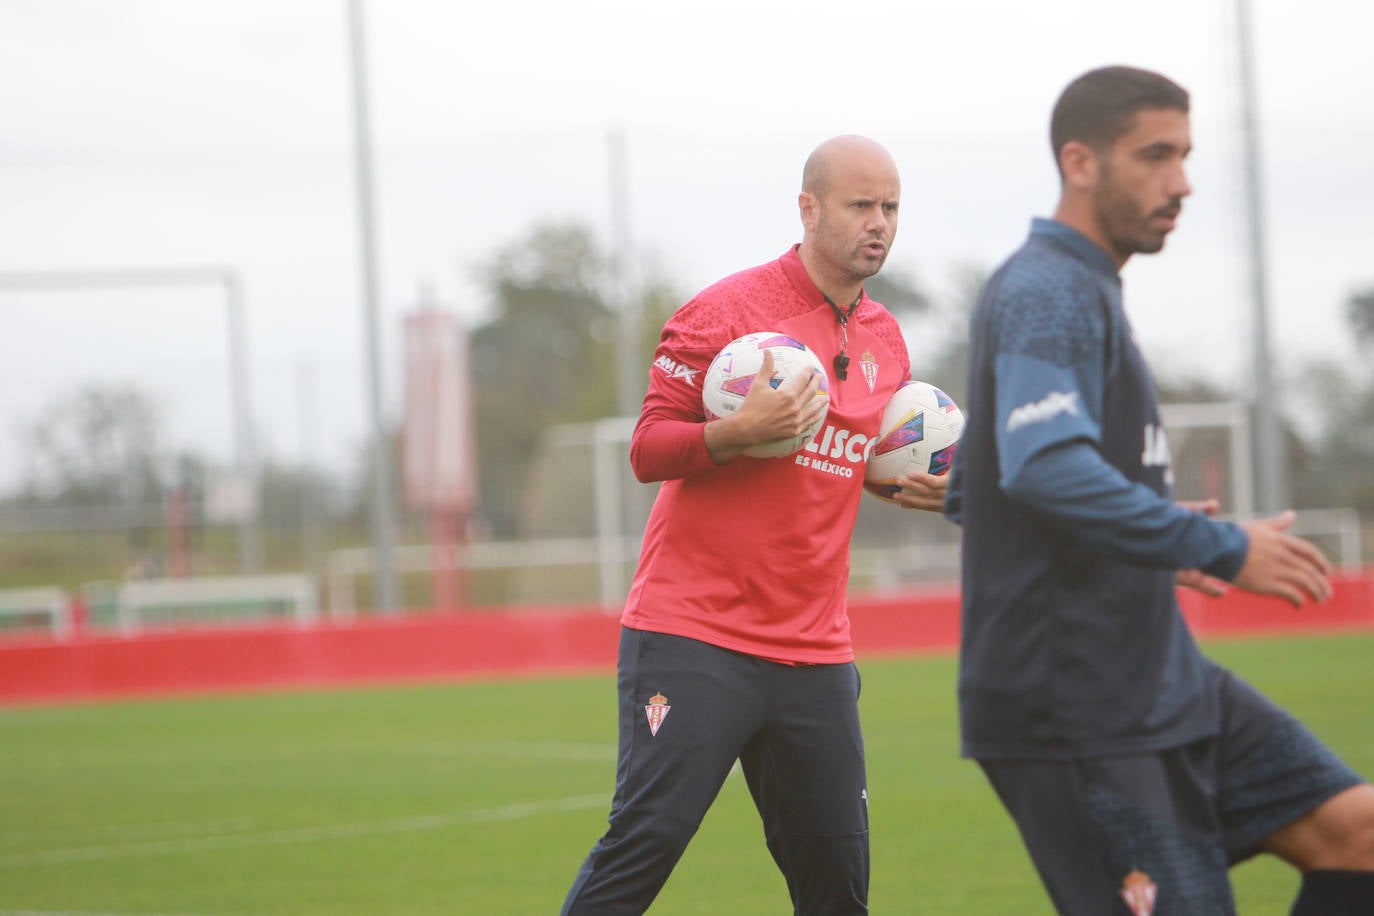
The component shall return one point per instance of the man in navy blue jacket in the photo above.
(1136, 770)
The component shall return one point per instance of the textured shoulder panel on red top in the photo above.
(733, 307)
(875, 317)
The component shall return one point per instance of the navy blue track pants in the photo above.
(688, 711)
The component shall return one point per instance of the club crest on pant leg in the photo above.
(1139, 893)
(656, 712)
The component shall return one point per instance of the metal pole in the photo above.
(307, 419)
(383, 512)
(245, 458)
(1271, 459)
(631, 500)
(630, 374)
(1241, 437)
(609, 512)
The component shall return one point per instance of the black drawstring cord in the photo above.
(843, 316)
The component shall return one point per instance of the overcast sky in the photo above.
(184, 133)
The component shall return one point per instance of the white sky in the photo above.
(177, 133)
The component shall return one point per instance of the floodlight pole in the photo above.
(383, 511)
(629, 374)
(615, 504)
(251, 545)
(1271, 459)
(307, 413)
(245, 459)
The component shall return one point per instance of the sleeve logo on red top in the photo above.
(674, 369)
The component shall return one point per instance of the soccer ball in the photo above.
(919, 431)
(732, 372)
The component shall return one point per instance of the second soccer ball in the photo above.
(919, 431)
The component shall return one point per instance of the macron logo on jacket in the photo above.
(1047, 408)
(674, 369)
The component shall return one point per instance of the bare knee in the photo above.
(1337, 834)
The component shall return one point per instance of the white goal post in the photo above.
(51, 602)
(134, 600)
(1234, 418)
(1338, 529)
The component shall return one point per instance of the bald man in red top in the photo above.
(735, 635)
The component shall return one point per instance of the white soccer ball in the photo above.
(919, 431)
(732, 372)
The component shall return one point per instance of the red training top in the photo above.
(753, 556)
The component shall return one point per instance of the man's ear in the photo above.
(1080, 166)
(810, 208)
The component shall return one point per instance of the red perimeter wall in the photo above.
(449, 645)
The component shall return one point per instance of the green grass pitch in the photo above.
(483, 798)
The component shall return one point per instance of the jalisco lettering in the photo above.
(833, 445)
(838, 442)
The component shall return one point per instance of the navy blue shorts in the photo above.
(688, 711)
(1104, 832)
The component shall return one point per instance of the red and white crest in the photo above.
(869, 364)
(1139, 893)
(656, 712)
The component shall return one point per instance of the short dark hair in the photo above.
(1100, 106)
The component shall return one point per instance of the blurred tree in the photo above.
(285, 492)
(1180, 389)
(354, 507)
(658, 299)
(1342, 445)
(939, 347)
(899, 292)
(95, 446)
(547, 357)
(936, 331)
(1359, 314)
